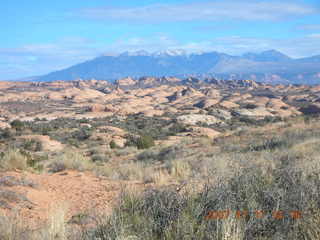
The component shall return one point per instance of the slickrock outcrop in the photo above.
(151, 96)
(113, 130)
(256, 112)
(96, 108)
(4, 125)
(228, 104)
(204, 132)
(119, 141)
(47, 143)
(221, 114)
(212, 93)
(126, 82)
(193, 119)
(152, 113)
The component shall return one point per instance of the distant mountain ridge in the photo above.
(269, 66)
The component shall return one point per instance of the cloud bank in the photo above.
(31, 60)
(37, 59)
(248, 10)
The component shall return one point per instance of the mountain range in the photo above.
(269, 66)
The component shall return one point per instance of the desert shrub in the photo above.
(98, 158)
(169, 153)
(151, 213)
(82, 134)
(11, 181)
(260, 141)
(112, 144)
(145, 141)
(9, 197)
(13, 159)
(70, 160)
(248, 120)
(162, 155)
(179, 169)
(125, 151)
(142, 142)
(32, 145)
(269, 144)
(307, 119)
(57, 166)
(131, 141)
(250, 106)
(176, 128)
(14, 228)
(36, 161)
(128, 171)
(84, 120)
(11, 229)
(148, 156)
(137, 124)
(311, 109)
(270, 119)
(5, 133)
(17, 124)
(73, 142)
(167, 214)
(254, 190)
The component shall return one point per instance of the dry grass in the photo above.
(70, 160)
(13, 159)
(269, 171)
(275, 168)
(161, 177)
(180, 169)
(57, 223)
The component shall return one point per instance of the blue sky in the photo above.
(38, 37)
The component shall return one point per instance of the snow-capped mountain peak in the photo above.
(170, 52)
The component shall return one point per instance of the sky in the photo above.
(38, 37)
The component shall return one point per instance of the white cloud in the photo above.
(236, 45)
(40, 59)
(309, 27)
(36, 59)
(211, 11)
(152, 44)
(314, 35)
(294, 47)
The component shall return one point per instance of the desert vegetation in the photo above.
(271, 169)
(245, 167)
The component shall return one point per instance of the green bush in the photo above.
(112, 144)
(144, 142)
(17, 124)
(82, 134)
(32, 145)
(5, 133)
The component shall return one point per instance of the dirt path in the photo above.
(76, 192)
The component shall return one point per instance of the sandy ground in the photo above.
(76, 192)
